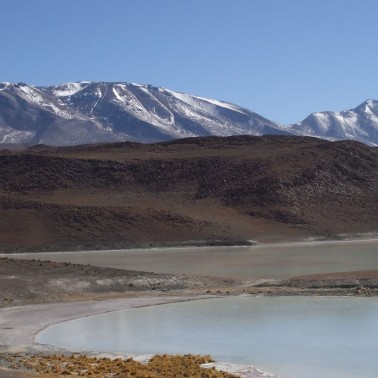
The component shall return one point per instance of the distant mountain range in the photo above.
(359, 124)
(92, 112)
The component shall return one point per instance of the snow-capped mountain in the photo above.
(88, 112)
(359, 124)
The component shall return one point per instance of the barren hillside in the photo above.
(189, 191)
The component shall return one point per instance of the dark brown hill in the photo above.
(189, 191)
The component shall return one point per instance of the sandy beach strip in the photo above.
(19, 325)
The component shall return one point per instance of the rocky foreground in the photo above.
(34, 281)
(37, 293)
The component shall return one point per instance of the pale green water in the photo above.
(266, 261)
(296, 337)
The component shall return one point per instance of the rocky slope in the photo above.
(189, 191)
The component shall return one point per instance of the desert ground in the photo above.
(191, 192)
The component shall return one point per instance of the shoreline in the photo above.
(20, 325)
(248, 243)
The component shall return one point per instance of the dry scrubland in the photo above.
(160, 366)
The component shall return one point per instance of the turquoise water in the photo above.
(296, 337)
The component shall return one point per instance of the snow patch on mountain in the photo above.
(68, 89)
(118, 96)
(8, 135)
(170, 118)
(223, 104)
(31, 94)
(4, 85)
(359, 124)
(145, 105)
(35, 96)
(205, 104)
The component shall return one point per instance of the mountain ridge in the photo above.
(360, 123)
(95, 112)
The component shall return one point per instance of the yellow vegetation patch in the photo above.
(160, 366)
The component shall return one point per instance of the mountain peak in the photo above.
(369, 106)
(89, 112)
(359, 124)
(69, 89)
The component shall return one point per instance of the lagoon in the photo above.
(295, 337)
(274, 261)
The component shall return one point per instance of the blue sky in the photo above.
(280, 58)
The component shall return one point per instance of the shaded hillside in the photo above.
(212, 190)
